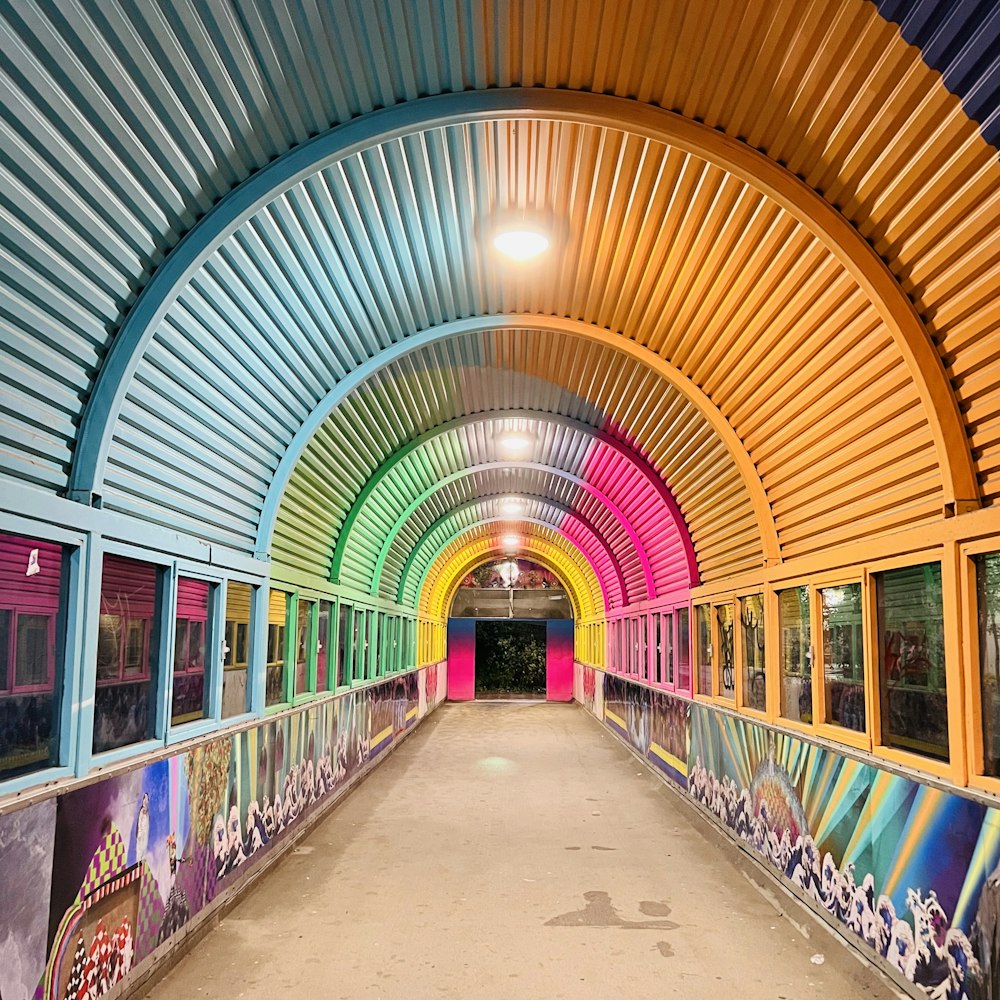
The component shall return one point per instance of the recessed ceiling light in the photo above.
(514, 444)
(521, 244)
(510, 541)
(512, 506)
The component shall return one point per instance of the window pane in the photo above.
(796, 654)
(843, 661)
(911, 660)
(109, 642)
(343, 646)
(988, 584)
(123, 702)
(6, 626)
(235, 697)
(703, 635)
(358, 646)
(371, 645)
(303, 639)
(135, 647)
(277, 610)
(323, 644)
(190, 692)
(658, 651)
(754, 679)
(684, 649)
(34, 650)
(727, 676)
(668, 648)
(31, 600)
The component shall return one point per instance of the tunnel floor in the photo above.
(515, 850)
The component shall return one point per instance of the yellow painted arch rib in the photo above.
(452, 566)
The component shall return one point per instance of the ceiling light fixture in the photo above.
(514, 444)
(521, 244)
(511, 541)
(512, 506)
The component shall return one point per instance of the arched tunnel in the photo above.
(338, 334)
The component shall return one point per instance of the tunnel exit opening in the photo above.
(510, 658)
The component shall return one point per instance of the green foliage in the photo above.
(510, 657)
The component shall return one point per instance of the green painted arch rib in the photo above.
(472, 470)
(554, 504)
(538, 522)
(633, 458)
(925, 366)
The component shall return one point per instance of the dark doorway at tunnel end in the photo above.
(510, 659)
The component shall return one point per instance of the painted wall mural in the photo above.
(124, 863)
(912, 870)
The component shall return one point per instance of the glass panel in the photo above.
(658, 649)
(277, 612)
(6, 618)
(988, 585)
(358, 646)
(323, 644)
(34, 651)
(135, 647)
(727, 675)
(303, 638)
(641, 641)
(109, 643)
(796, 654)
(235, 696)
(190, 692)
(343, 650)
(31, 600)
(703, 635)
(752, 627)
(371, 645)
(684, 649)
(911, 660)
(668, 648)
(843, 660)
(124, 700)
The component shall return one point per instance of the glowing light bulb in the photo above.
(512, 506)
(521, 244)
(514, 444)
(510, 541)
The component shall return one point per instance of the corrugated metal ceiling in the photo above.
(123, 122)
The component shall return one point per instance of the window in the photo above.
(667, 655)
(236, 651)
(371, 645)
(913, 695)
(683, 649)
(641, 639)
(324, 625)
(726, 680)
(32, 595)
(795, 654)
(189, 700)
(127, 654)
(344, 646)
(752, 630)
(988, 589)
(658, 652)
(843, 659)
(358, 645)
(277, 617)
(703, 652)
(303, 645)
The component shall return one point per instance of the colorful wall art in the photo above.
(912, 870)
(123, 864)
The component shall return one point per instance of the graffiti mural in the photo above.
(911, 870)
(123, 864)
(652, 722)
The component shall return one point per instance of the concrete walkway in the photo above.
(515, 851)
